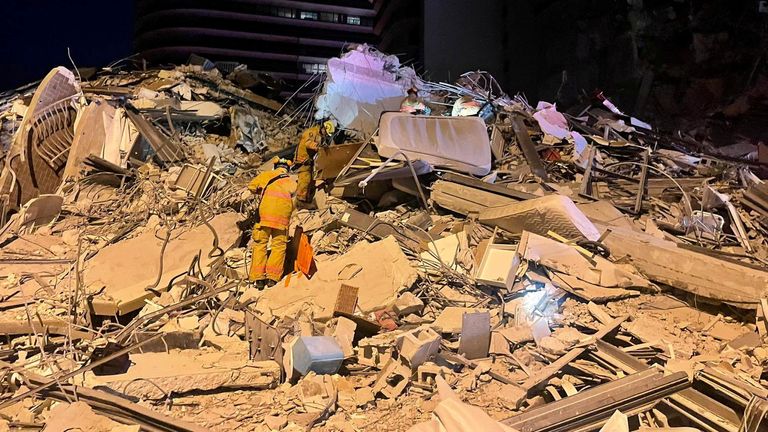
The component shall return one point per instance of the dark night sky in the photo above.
(35, 34)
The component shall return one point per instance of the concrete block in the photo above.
(407, 304)
(392, 380)
(418, 345)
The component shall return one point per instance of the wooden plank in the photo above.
(529, 150)
(488, 187)
(379, 229)
(550, 370)
(701, 409)
(591, 408)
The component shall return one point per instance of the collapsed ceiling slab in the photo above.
(122, 272)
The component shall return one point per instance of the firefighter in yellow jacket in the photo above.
(276, 190)
(311, 140)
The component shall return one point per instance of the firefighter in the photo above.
(413, 105)
(276, 190)
(311, 139)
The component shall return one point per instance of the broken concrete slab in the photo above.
(37, 212)
(617, 423)
(185, 371)
(590, 292)
(344, 333)
(475, 335)
(451, 319)
(379, 270)
(276, 422)
(556, 213)
(90, 135)
(566, 259)
(516, 335)
(79, 416)
(122, 272)
(453, 415)
(444, 252)
(407, 304)
(719, 280)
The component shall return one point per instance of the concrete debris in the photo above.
(407, 304)
(121, 275)
(65, 417)
(571, 260)
(379, 270)
(451, 319)
(451, 414)
(417, 346)
(155, 375)
(602, 274)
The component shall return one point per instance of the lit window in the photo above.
(353, 20)
(313, 68)
(283, 12)
(329, 17)
(308, 15)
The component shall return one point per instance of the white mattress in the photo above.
(457, 143)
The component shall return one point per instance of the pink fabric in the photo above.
(551, 121)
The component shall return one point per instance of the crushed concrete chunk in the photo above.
(185, 371)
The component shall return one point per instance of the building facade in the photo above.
(291, 40)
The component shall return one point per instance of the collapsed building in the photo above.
(495, 265)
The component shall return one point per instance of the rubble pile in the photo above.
(489, 266)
